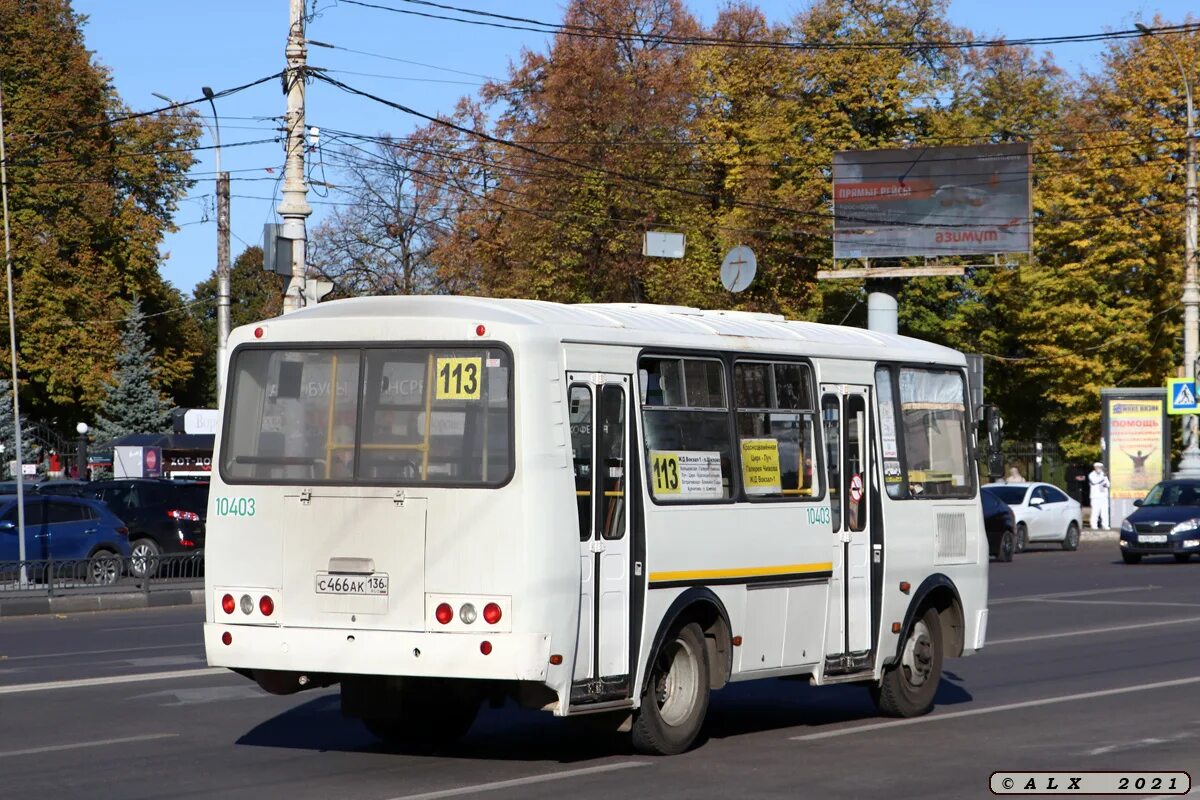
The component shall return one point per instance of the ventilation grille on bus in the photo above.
(951, 537)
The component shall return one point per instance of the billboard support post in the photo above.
(883, 305)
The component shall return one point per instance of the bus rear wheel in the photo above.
(675, 699)
(430, 713)
(908, 686)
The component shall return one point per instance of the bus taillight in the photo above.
(228, 604)
(266, 605)
(444, 613)
(491, 613)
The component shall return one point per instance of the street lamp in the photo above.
(81, 451)
(1189, 462)
(223, 280)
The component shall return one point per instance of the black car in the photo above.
(1000, 525)
(163, 516)
(1166, 521)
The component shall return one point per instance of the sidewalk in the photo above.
(28, 605)
(1100, 535)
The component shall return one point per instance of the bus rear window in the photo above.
(391, 416)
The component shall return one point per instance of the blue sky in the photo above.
(175, 48)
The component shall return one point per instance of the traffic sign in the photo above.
(1181, 396)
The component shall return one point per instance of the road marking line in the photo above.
(1124, 603)
(113, 679)
(105, 652)
(1093, 631)
(509, 784)
(78, 745)
(975, 712)
(1083, 593)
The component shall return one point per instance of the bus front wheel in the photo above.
(675, 698)
(908, 686)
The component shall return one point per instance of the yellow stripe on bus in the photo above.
(744, 572)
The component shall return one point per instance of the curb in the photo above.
(115, 601)
(1109, 535)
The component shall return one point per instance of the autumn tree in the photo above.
(92, 190)
(1102, 303)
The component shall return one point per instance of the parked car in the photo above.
(65, 529)
(54, 486)
(163, 516)
(1001, 527)
(1167, 520)
(1043, 512)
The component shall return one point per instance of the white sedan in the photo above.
(1044, 513)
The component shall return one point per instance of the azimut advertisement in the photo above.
(931, 201)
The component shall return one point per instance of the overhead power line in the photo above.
(587, 32)
(626, 177)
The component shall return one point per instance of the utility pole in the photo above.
(23, 578)
(223, 280)
(1189, 461)
(294, 207)
(223, 288)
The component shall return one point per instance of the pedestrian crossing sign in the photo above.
(1181, 396)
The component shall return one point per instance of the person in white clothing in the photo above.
(1098, 484)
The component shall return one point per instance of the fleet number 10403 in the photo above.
(235, 506)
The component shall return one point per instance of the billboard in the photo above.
(1136, 444)
(932, 201)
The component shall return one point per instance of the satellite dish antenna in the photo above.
(738, 268)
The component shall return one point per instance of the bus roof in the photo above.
(630, 323)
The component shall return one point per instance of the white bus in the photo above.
(436, 501)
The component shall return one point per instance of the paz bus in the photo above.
(438, 501)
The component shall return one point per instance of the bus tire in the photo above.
(908, 686)
(675, 698)
(430, 714)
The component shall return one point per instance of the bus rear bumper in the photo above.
(335, 651)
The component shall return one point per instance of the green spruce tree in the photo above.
(132, 403)
(30, 451)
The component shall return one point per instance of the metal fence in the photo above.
(101, 573)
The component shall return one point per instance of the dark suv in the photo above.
(163, 516)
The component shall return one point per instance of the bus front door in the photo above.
(599, 412)
(846, 423)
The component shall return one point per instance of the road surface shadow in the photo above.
(514, 734)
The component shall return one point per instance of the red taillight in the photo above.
(228, 604)
(480, 330)
(266, 605)
(258, 333)
(186, 543)
(485, 648)
(491, 613)
(122, 532)
(187, 516)
(444, 613)
(227, 637)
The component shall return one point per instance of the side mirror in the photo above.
(1138, 502)
(1036, 501)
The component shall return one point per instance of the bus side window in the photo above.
(831, 419)
(579, 403)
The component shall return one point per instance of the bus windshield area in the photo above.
(389, 416)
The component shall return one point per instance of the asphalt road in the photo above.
(1091, 665)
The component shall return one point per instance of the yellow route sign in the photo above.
(458, 378)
